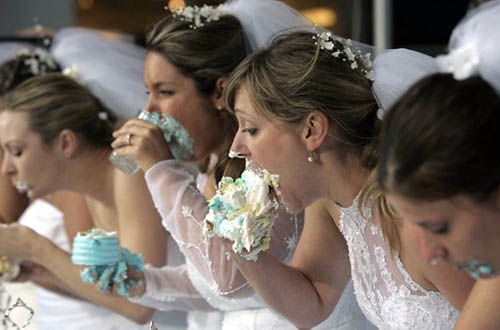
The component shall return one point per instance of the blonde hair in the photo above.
(294, 77)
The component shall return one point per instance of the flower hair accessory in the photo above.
(344, 50)
(38, 61)
(198, 16)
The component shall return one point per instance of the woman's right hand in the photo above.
(142, 141)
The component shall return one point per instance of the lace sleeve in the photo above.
(169, 288)
(183, 208)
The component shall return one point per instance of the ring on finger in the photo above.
(128, 139)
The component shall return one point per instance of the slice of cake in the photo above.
(96, 247)
(243, 211)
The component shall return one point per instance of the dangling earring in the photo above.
(312, 156)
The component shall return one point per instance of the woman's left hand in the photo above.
(142, 141)
(18, 242)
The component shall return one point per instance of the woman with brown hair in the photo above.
(442, 175)
(306, 111)
(188, 62)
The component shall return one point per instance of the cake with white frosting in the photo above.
(243, 211)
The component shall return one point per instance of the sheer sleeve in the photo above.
(169, 288)
(183, 207)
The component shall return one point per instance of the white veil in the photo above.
(474, 49)
(396, 71)
(112, 70)
(264, 19)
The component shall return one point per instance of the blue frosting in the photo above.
(179, 141)
(115, 274)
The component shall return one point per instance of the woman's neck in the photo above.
(347, 178)
(91, 174)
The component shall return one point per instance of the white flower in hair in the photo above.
(463, 62)
(73, 72)
(344, 50)
(197, 15)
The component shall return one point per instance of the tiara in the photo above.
(38, 61)
(344, 50)
(198, 16)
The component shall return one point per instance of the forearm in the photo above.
(59, 263)
(170, 288)
(183, 207)
(287, 290)
(480, 310)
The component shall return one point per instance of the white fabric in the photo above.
(183, 207)
(474, 46)
(9, 50)
(396, 71)
(264, 19)
(55, 310)
(112, 70)
(386, 293)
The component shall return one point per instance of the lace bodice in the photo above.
(386, 293)
(214, 275)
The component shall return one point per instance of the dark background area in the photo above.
(423, 25)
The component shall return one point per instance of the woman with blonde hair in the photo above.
(306, 111)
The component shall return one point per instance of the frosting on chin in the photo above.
(23, 186)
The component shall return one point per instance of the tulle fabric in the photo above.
(264, 19)
(396, 71)
(112, 70)
(480, 30)
(213, 273)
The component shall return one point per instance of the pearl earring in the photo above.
(312, 157)
(220, 107)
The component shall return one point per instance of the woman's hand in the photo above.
(19, 242)
(142, 141)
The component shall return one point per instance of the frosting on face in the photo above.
(243, 211)
(177, 137)
(477, 269)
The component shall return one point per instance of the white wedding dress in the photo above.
(63, 312)
(386, 293)
(208, 265)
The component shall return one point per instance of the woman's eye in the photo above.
(441, 230)
(167, 92)
(17, 152)
(251, 131)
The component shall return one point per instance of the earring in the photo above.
(220, 107)
(312, 156)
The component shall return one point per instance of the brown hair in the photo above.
(204, 54)
(293, 77)
(55, 102)
(440, 140)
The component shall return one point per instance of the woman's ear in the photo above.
(67, 143)
(218, 99)
(315, 130)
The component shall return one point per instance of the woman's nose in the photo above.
(431, 248)
(8, 168)
(238, 147)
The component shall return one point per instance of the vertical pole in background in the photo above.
(382, 24)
